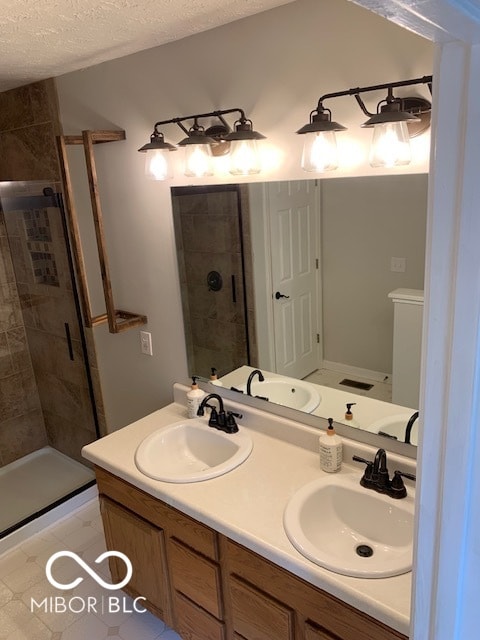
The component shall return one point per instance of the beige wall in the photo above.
(366, 222)
(275, 65)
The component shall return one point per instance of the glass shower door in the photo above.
(47, 411)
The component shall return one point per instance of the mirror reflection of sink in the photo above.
(287, 392)
(191, 451)
(395, 427)
(341, 526)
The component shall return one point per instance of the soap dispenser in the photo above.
(194, 398)
(213, 378)
(348, 413)
(330, 450)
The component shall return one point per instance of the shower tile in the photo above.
(67, 437)
(21, 435)
(15, 109)
(65, 398)
(18, 346)
(43, 101)
(10, 311)
(50, 354)
(18, 395)
(6, 363)
(6, 267)
(29, 153)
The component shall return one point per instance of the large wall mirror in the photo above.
(319, 281)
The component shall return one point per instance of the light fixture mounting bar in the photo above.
(377, 87)
(216, 114)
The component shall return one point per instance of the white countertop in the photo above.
(247, 503)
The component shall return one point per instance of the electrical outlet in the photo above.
(398, 264)
(146, 343)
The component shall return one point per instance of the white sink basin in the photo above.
(191, 451)
(329, 519)
(395, 426)
(295, 394)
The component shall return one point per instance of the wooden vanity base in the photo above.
(207, 587)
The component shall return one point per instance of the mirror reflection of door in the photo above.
(209, 232)
(293, 215)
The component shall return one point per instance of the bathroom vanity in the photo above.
(212, 557)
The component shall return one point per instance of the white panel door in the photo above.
(293, 214)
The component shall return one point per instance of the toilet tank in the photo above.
(407, 345)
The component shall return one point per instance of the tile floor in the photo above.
(22, 577)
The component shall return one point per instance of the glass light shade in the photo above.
(244, 159)
(198, 160)
(390, 145)
(320, 152)
(158, 165)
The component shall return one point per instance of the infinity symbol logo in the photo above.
(89, 570)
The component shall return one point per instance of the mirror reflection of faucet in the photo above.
(408, 428)
(261, 378)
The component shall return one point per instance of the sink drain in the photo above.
(364, 550)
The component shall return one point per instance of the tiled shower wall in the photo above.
(22, 428)
(29, 123)
(209, 238)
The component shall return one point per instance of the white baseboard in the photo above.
(376, 376)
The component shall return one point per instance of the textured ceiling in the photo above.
(45, 38)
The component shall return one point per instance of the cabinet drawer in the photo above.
(196, 577)
(192, 623)
(257, 616)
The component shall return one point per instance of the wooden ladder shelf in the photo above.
(117, 319)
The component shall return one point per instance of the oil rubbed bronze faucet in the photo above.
(224, 421)
(376, 476)
(255, 372)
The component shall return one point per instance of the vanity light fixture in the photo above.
(201, 144)
(158, 165)
(395, 122)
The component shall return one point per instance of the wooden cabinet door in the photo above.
(144, 545)
(257, 616)
(314, 632)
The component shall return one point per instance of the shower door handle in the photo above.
(69, 341)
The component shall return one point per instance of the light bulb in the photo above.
(198, 160)
(244, 158)
(320, 152)
(157, 164)
(390, 145)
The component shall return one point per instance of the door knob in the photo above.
(279, 295)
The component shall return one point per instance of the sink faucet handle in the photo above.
(367, 478)
(230, 423)
(398, 488)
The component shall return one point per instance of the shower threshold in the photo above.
(38, 481)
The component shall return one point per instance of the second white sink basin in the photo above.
(341, 526)
(191, 451)
(395, 426)
(295, 394)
